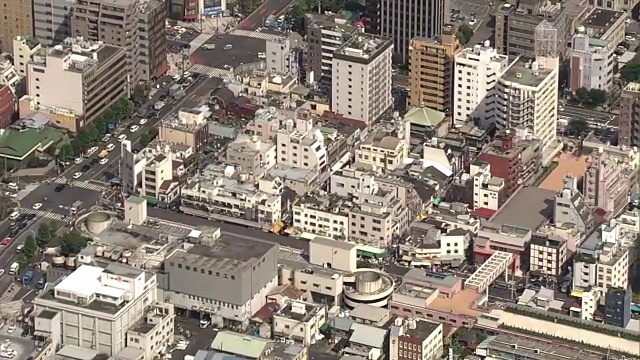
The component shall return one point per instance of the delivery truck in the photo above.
(13, 269)
(27, 277)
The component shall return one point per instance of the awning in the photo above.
(576, 293)
(151, 200)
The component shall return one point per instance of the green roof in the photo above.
(18, 144)
(422, 115)
(251, 347)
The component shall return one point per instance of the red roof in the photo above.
(266, 312)
(484, 213)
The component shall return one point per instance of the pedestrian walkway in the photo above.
(198, 41)
(80, 184)
(45, 214)
(256, 35)
(209, 71)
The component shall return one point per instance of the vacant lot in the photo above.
(567, 164)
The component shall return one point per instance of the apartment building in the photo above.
(628, 157)
(361, 77)
(188, 128)
(629, 106)
(403, 20)
(527, 97)
(617, 307)
(415, 339)
(607, 25)
(477, 70)
(300, 143)
(94, 307)
(431, 70)
(488, 189)
(94, 74)
(325, 35)
(601, 261)
(223, 194)
(570, 208)
(432, 244)
(9, 76)
(52, 21)
(382, 151)
(154, 332)
(605, 184)
(532, 28)
(548, 254)
(23, 50)
(281, 57)
(299, 321)
(137, 26)
(591, 63)
(251, 153)
(8, 106)
(17, 20)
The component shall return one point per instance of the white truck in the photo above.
(13, 269)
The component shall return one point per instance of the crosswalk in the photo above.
(256, 35)
(81, 184)
(45, 214)
(198, 41)
(209, 71)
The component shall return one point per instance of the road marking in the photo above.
(80, 184)
(45, 214)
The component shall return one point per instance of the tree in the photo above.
(578, 127)
(139, 95)
(464, 34)
(66, 152)
(44, 234)
(22, 261)
(582, 95)
(72, 243)
(597, 97)
(148, 137)
(30, 248)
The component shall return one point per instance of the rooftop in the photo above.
(17, 144)
(433, 278)
(527, 73)
(83, 54)
(299, 311)
(528, 208)
(602, 19)
(251, 347)
(362, 48)
(423, 329)
(422, 115)
(504, 343)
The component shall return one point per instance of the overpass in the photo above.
(488, 272)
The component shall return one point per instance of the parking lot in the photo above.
(200, 339)
(476, 14)
(244, 50)
(22, 347)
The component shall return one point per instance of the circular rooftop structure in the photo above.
(98, 221)
(368, 286)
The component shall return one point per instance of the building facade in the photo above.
(415, 339)
(8, 106)
(629, 129)
(17, 20)
(605, 184)
(52, 21)
(188, 128)
(431, 70)
(23, 50)
(592, 63)
(548, 255)
(617, 307)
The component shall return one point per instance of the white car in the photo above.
(37, 206)
(104, 161)
(142, 121)
(134, 128)
(1, 272)
(78, 160)
(110, 147)
(472, 22)
(11, 329)
(77, 175)
(182, 345)
(122, 137)
(106, 138)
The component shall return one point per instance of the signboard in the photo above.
(57, 110)
(212, 11)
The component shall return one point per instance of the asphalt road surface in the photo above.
(257, 18)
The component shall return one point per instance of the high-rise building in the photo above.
(629, 129)
(94, 77)
(592, 62)
(361, 78)
(52, 21)
(532, 28)
(137, 26)
(605, 183)
(281, 57)
(477, 70)
(16, 19)
(431, 70)
(526, 96)
(403, 20)
(617, 307)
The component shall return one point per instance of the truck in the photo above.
(41, 282)
(75, 207)
(159, 105)
(13, 269)
(174, 89)
(27, 277)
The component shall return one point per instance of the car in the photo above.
(30, 216)
(104, 161)
(37, 206)
(110, 147)
(472, 22)
(85, 168)
(13, 225)
(77, 175)
(59, 188)
(22, 225)
(122, 137)
(94, 161)
(78, 160)
(134, 128)
(106, 138)
(142, 121)
(11, 329)
(1, 272)
(6, 241)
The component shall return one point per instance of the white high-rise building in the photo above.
(477, 70)
(527, 97)
(592, 62)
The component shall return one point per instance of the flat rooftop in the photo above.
(528, 208)
(433, 278)
(423, 329)
(503, 343)
(362, 48)
(602, 18)
(527, 73)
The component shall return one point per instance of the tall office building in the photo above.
(361, 80)
(16, 19)
(431, 70)
(629, 129)
(403, 20)
(52, 21)
(137, 26)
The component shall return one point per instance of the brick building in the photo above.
(7, 106)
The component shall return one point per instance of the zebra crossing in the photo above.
(256, 35)
(45, 214)
(196, 43)
(209, 71)
(81, 184)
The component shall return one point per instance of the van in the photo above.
(14, 215)
(228, 47)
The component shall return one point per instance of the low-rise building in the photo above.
(382, 151)
(251, 154)
(488, 190)
(570, 208)
(430, 245)
(188, 128)
(548, 254)
(8, 106)
(299, 321)
(606, 24)
(416, 339)
(154, 332)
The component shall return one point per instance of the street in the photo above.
(592, 117)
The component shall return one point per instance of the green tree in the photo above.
(578, 127)
(44, 234)
(23, 261)
(464, 34)
(30, 248)
(597, 97)
(582, 95)
(139, 95)
(66, 152)
(72, 243)
(631, 71)
(148, 137)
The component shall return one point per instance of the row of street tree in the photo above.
(70, 243)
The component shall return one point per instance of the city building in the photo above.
(488, 189)
(606, 183)
(617, 307)
(361, 77)
(617, 5)
(607, 25)
(426, 123)
(403, 20)
(629, 127)
(592, 62)
(431, 70)
(299, 142)
(188, 127)
(382, 151)
(52, 21)
(281, 58)
(23, 50)
(153, 333)
(95, 307)
(190, 11)
(509, 346)
(8, 106)
(195, 275)
(432, 244)
(137, 26)
(532, 28)
(515, 156)
(9, 76)
(325, 35)
(527, 97)
(477, 70)
(17, 20)
(94, 75)
(415, 339)
(570, 209)
(299, 321)
(251, 153)
(548, 255)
